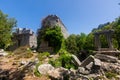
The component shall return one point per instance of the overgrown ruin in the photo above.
(51, 21)
(110, 49)
(23, 37)
(108, 35)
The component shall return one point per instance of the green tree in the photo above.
(89, 44)
(117, 35)
(6, 26)
(71, 44)
(81, 39)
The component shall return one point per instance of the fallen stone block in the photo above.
(87, 61)
(106, 58)
(76, 60)
(89, 66)
(97, 62)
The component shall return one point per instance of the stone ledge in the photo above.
(111, 53)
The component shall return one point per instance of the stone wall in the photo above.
(23, 37)
(53, 20)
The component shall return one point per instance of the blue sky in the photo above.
(77, 15)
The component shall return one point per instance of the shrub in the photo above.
(55, 62)
(53, 36)
(43, 55)
(64, 60)
(110, 75)
(36, 72)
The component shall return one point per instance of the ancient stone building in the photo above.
(23, 37)
(108, 35)
(51, 21)
(110, 50)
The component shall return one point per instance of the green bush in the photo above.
(53, 36)
(64, 60)
(36, 72)
(43, 55)
(110, 75)
(55, 62)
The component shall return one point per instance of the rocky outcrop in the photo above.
(3, 53)
(44, 68)
(106, 58)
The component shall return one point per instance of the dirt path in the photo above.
(9, 65)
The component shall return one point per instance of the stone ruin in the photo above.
(23, 37)
(108, 35)
(51, 21)
(110, 50)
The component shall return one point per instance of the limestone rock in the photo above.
(58, 73)
(76, 60)
(111, 67)
(106, 58)
(3, 53)
(23, 62)
(44, 68)
(81, 70)
(97, 62)
(87, 61)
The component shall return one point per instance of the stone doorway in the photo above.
(108, 35)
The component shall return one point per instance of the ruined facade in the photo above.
(108, 35)
(110, 50)
(23, 37)
(51, 21)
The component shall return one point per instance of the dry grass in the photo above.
(23, 52)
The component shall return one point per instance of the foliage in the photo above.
(89, 44)
(55, 62)
(117, 35)
(110, 75)
(64, 60)
(81, 40)
(36, 72)
(71, 44)
(42, 56)
(6, 26)
(53, 36)
(77, 43)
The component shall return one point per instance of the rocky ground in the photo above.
(97, 67)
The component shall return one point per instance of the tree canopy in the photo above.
(6, 26)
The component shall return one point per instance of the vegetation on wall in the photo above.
(53, 36)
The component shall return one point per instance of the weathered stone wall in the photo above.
(53, 20)
(23, 37)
